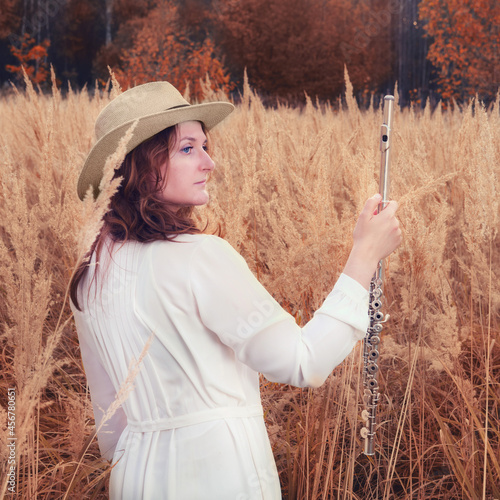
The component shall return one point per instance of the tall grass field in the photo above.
(287, 189)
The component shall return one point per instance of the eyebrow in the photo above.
(187, 138)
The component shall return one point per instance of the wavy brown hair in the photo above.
(137, 211)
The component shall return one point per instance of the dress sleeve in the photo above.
(236, 307)
(102, 394)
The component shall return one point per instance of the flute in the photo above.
(372, 338)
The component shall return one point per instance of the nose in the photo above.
(207, 164)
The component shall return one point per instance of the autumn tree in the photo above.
(367, 43)
(24, 28)
(302, 45)
(127, 18)
(31, 57)
(162, 49)
(9, 17)
(465, 46)
(78, 36)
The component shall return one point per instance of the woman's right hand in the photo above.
(376, 236)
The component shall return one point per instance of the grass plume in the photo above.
(287, 189)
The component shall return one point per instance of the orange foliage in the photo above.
(465, 47)
(9, 17)
(162, 50)
(31, 57)
(303, 45)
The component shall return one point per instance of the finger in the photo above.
(390, 208)
(371, 205)
(393, 204)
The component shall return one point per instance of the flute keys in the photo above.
(364, 432)
(386, 318)
(365, 415)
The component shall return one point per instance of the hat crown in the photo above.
(138, 102)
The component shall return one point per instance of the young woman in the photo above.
(192, 427)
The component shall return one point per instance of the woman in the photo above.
(192, 427)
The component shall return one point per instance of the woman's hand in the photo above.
(375, 237)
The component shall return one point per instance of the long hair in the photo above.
(137, 212)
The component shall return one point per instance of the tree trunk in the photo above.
(109, 20)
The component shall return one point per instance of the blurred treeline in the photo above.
(439, 49)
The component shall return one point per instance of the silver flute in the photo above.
(372, 339)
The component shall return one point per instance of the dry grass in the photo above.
(287, 190)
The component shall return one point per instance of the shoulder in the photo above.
(191, 244)
(190, 251)
(214, 248)
(187, 242)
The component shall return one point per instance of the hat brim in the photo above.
(210, 114)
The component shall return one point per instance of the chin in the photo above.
(202, 201)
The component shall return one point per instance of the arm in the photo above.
(233, 304)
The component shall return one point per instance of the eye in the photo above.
(205, 148)
(187, 149)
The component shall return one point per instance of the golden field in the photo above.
(287, 189)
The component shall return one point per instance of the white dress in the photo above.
(192, 428)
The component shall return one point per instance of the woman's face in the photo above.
(188, 168)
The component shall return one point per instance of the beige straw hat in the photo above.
(155, 106)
